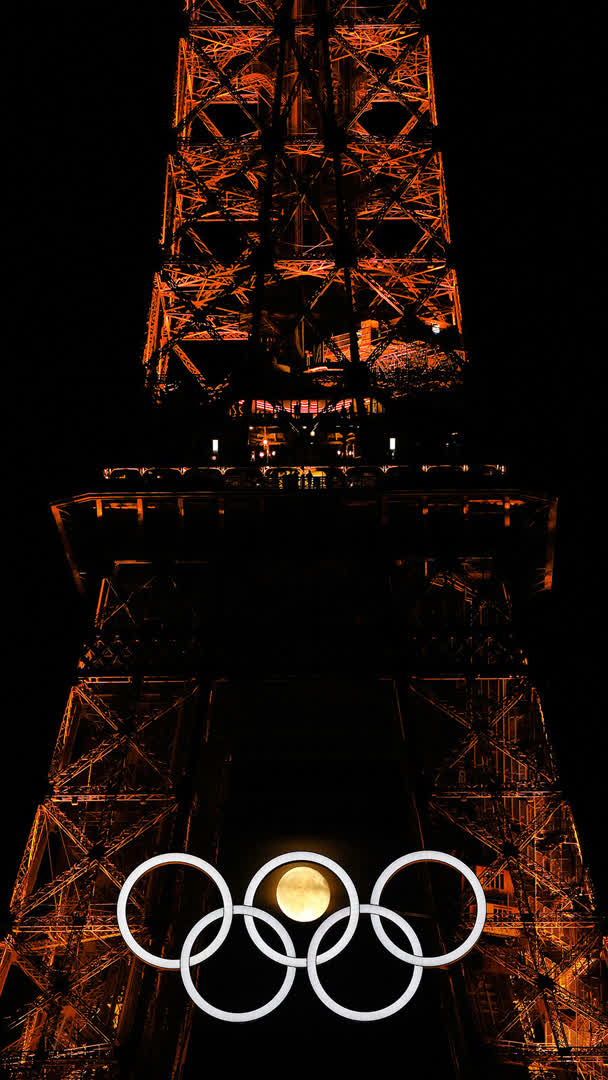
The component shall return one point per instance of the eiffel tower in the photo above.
(306, 638)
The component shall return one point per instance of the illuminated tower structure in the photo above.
(255, 608)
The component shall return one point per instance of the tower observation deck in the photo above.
(305, 639)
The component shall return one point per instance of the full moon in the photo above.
(303, 894)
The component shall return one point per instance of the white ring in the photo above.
(320, 860)
(289, 959)
(445, 860)
(222, 1014)
(353, 1014)
(181, 859)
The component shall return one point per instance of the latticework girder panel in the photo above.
(305, 200)
(121, 755)
(123, 751)
(535, 993)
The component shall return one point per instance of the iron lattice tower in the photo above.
(306, 287)
(305, 225)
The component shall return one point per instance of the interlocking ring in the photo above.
(353, 1014)
(186, 963)
(181, 859)
(313, 959)
(446, 860)
(320, 860)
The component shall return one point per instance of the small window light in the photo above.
(392, 443)
(215, 445)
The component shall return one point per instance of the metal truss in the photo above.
(305, 231)
(536, 994)
(304, 202)
(124, 782)
(114, 795)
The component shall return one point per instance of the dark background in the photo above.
(91, 99)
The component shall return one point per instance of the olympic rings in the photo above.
(288, 958)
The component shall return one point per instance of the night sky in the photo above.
(94, 90)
